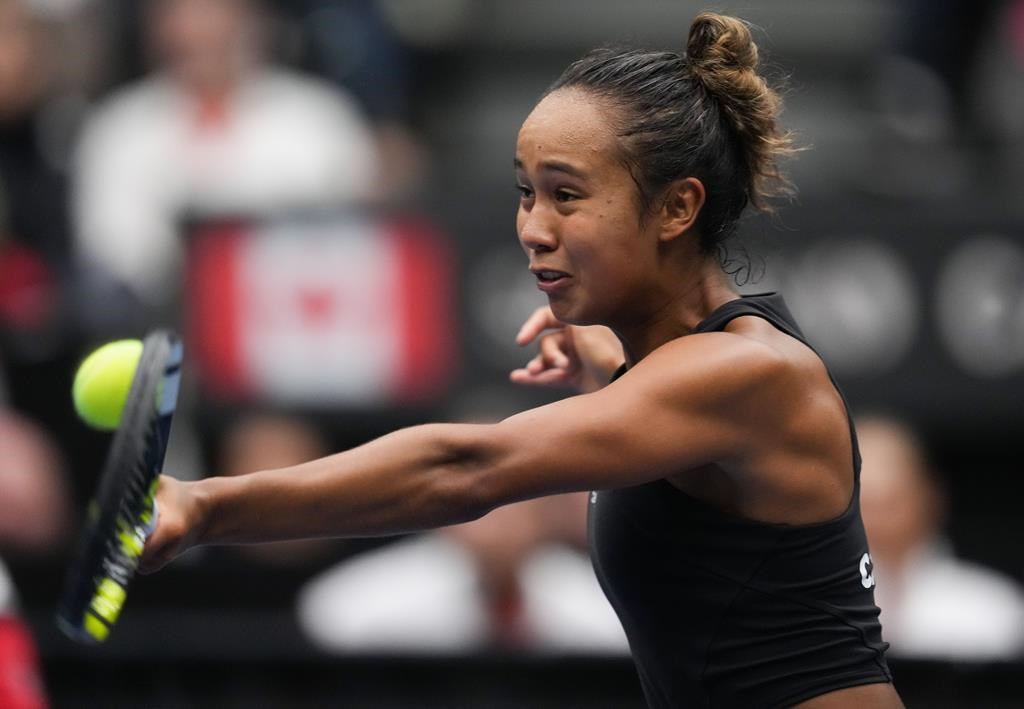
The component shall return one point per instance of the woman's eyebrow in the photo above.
(555, 166)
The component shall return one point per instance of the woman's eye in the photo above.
(564, 196)
(524, 191)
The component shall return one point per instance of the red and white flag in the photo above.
(350, 312)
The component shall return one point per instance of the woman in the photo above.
(725, 522)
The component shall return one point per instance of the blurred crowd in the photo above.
(120, 122)
(934, 604)
(153, 150)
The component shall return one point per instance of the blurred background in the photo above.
(319, 195)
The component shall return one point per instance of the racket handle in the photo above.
(149, 522)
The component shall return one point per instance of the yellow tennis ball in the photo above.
(102, 383)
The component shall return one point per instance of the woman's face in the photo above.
(205, 43)
(579, 219)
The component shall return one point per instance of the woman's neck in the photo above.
(701, 289)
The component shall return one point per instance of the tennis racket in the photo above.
(122, 513)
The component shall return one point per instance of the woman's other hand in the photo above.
(568, 355)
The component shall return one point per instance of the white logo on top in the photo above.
(867, 571)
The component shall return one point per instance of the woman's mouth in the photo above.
(549, 279)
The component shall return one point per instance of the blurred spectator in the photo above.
(933, 605)
(35, 250)
(216, 129)
(34, 505)
(21, 684)
(517, 579)
(946, 38)
(926, 98)
(33, 520)
(261, 441)
(39, 339)
(354, 44)
(33, 186)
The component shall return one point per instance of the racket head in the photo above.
(122, 512)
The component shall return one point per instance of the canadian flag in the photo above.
(322, 312)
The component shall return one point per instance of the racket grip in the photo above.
(148, 526)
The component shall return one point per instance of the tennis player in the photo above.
(724, 517)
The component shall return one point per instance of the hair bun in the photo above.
(722, 56)
(719, 42)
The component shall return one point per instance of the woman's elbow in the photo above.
(471, 482)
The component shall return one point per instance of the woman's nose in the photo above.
(535, 231)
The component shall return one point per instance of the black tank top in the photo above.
(722, 611)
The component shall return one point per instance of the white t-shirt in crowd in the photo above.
(423, 595)
(944, 608)
(151, 154)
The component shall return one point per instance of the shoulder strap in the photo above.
(771, 307)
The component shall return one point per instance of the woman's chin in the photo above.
(572, 314)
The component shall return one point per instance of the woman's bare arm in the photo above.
(412, 479)
(659, 419)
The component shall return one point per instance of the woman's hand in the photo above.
(180, 519)
(569, 355)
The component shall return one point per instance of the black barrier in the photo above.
(466, 682)
(195, 638)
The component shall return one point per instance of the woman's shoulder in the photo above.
(749, 367)
(727, 355)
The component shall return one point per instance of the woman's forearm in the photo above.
(409, 480)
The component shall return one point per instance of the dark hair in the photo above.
(706, 114)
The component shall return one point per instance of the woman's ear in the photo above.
(683, 201)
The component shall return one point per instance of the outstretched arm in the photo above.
(659, 419)
(412, 479)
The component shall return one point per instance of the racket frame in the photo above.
(122, 514)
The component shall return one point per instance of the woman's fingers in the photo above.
(552, 350)
(547, 377)
(536, 365)
(540, 320)
(159, 542)
(176, 525)
(551, 366)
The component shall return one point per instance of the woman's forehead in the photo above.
(568, 122)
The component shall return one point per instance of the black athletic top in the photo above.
(722, 611)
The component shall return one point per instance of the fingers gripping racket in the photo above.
(123, 514)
